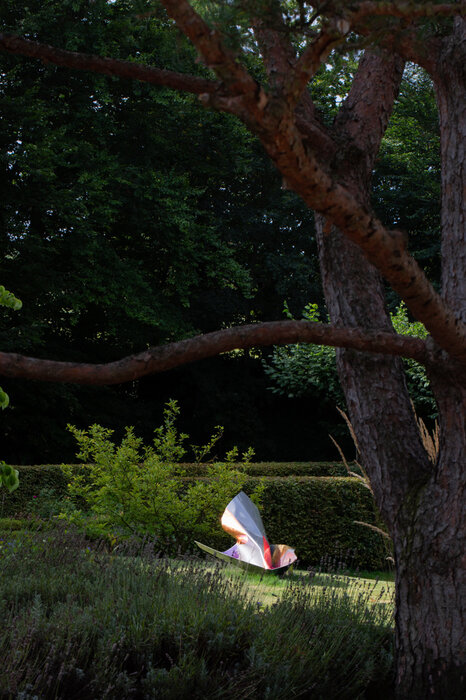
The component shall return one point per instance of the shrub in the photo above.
(137, 489)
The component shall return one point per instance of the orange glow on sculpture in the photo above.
(252, 550)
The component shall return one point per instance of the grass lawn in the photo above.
(267, 589)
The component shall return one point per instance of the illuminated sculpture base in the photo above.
(231, 557)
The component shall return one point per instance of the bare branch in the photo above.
(310, 61)
(108, 66)
(160, 359)
(405, 10)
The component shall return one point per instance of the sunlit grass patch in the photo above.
(268, 588)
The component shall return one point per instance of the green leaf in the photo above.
(4, 399)
(8, 299)
(9, 477)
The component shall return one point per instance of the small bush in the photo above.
(9, 524)
(136, 489)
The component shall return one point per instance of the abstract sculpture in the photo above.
(252, 550)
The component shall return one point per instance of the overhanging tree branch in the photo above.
(165, 357)
(311, 59)
(108, 66)
(403, 37)
(210, 44)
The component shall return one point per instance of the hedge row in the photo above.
(283, 469)
(35, 478)
(316, 516)
(32, 479)
(313, 514)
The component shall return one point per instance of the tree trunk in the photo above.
(431, 545)
(422, 506)
(430, 551)
(422, 503)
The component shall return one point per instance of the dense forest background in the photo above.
(131, 216)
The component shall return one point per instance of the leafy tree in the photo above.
(330, 167)
(306, 369)
(129, 218)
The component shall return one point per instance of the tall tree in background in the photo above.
(130, 217)
(330, 167)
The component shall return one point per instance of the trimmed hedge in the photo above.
(313, 514)
(283, 469)
(32, 479)
(316, 515)
(37, 477)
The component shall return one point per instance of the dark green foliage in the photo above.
(130, 216)
(107, 225)
(407, 178)
(34, 480)
(79, 623)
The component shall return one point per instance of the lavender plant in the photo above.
(79, 622)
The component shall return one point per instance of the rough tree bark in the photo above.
(430, 589)
(422, 503)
